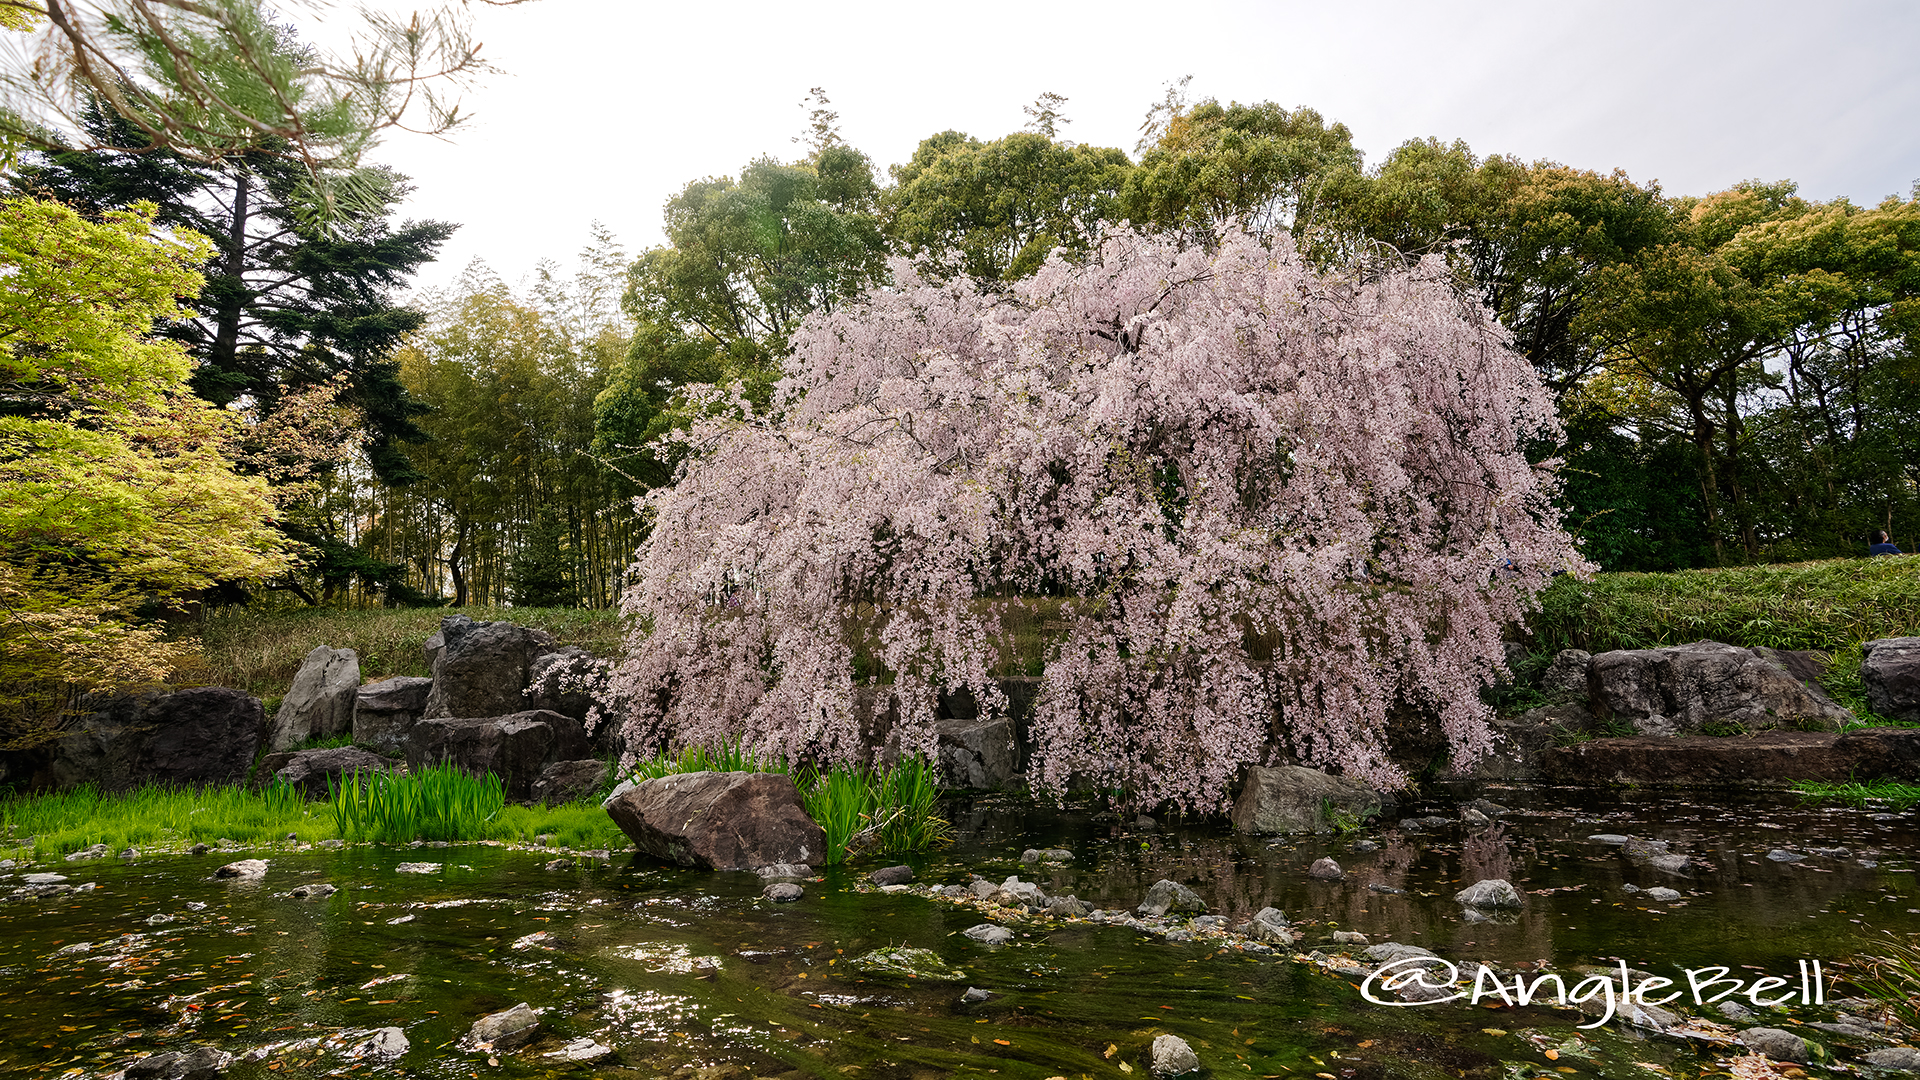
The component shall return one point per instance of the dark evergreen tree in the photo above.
(288, 302)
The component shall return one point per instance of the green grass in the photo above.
(882, 809)
(155, 818)
(427, 806)
(1832, 606)
(259, 651)
(1894, 794)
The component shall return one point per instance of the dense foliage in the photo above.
(1277, 495)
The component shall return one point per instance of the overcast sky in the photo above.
(606, 108)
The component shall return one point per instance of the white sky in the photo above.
(608, 107)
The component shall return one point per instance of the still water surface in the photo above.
(694, 973)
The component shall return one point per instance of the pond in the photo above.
(675, 972)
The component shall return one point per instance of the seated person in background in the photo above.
(1878, 543)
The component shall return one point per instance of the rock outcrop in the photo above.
(315, 772)
(481, 668)
(206, 735)
(517, 747)
(1890, 668)
(1293, 799)
(720, 821)
(319, 704)
(1863, 753)
(1682, 689)
(565, 781)
(385, 711)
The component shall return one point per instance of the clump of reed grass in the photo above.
(439, 802)
(1895, 794)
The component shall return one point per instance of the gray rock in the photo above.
(198, 849)
(188, 738)
(1270, 924)
(1166, 897)
(1679, 689)
(1173, 1057)
(560, 680)
(516, 747)
(319, 890)
(1348, 937)
(1013, 891)
(1890, 668)
(1777, 1044)
(1292, 799)
(319, 704)
(384, 711)
(200, 1063)
(1326, 869)
(315, 773)
(619, 789)
(1636, 848)
(983, 889)
(910, 962)
(720, 821)
(387, 1042)
(87, 854)
(504, 1030)
(1614, 839)
(1783, 855)
(974, 995)
(1493, 894)
(1733, 1010)
(1381, 887)
(1067, 907)
(567, 781)
(785, 872)
(245, 868)
(1663, 894)
(582, 1049)
(989, 934)
(1388, 952)
(558, 865)
(482, 668)
(1566, 678)
(891, 875)
(783, 892)
(1474, 817)
(978, 752)
(1040, 855)
(1669, 864)
(1902, 1058)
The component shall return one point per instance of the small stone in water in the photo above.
(198, 849)
(891, 875)
(417, 868)
(1325, 870)
(580, 1050)
(1783, 855)
(1491, 894)
(504, 1030)
(560, 864)
(245, 868)
(1348, 937)
(989, 934)
(319, 890)
(1173, 1057)
(1663, 894)
(1388, 889)
(1610, 838)
(974, 995)
(1364, 846)
(385, 1042)
(783, 892)
(43, 879)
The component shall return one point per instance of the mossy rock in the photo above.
(912, 963)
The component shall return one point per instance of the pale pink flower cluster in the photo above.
(1285, 502)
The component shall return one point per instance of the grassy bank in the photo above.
(1831, 606)
(259, 651)
(155, 819)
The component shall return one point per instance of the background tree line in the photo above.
(1737, 372)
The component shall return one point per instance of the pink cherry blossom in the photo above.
(1283, 503)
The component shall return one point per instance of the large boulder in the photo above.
(720, 821)
(385, 711)
(319, 704)
(316, 772)
(517, 747)
(1566, 678)
(481, 668)
(559, 681)
(1681, 689)
(1890, 668)
(979, 753)
(206, 735)
(1293, 799)
(565, 781)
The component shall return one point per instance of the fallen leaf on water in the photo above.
(1002, 1042)
(1553, 1055)
(1493, 1031)
(1111, 1050)
(1125, 1068)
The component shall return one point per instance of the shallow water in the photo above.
(675, 969)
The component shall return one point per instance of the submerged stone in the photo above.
(909, 962)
